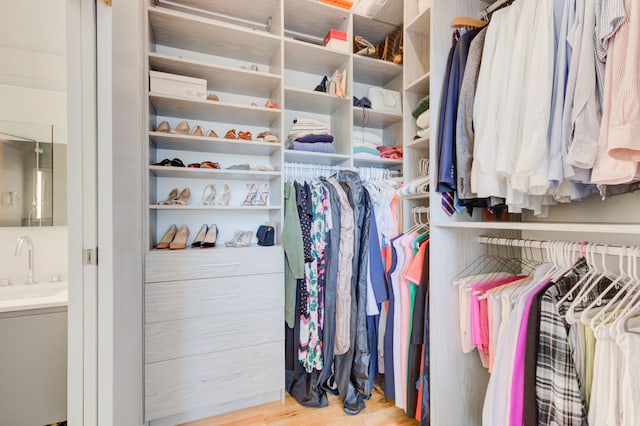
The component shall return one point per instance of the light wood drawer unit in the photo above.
(186, 384)
(219, 262)
(215, 296)
(195, 336)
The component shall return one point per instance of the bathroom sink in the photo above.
(31, 291)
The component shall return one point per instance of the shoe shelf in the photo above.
(178, 142)
(311, 101)
(374, 119)
(420, 85)
(313, 19)
(219, 174)
(291, 156)
(386, 163)
(205, 110)
(374, 71)
(161, 207)
(234, 80)
(195, 33)
(422, 143)
(421, 24)
(312, 59)
(421, 196)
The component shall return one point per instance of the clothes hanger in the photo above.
(466, 22)
(601, 314)
(588, 288)
(630, 291)
(578, 286)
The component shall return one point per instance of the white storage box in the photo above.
(177, 85)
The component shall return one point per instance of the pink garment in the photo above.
(516, 411)
(406, 309)
(619, 153)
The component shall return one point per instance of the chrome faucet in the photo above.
(18, 251)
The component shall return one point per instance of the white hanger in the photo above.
(598, 275)
(630, 291)
(581, 281)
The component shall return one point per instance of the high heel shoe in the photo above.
(200, 236)
(167, 237)
(173, 196)
(264, 195)
(183, 200)
(237, 235)
(209, 197)
(251, 195)
(180, 240)
(225, 197)
(211, 237)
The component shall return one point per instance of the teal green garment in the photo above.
(293, 252)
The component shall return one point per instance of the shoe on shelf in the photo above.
(209, 195)
(197, 242)
(173, 196)
(180, 240)
(225, 197)
(263, 168)
(212, 134)
(231, 134)
(212, 97)
(263, 195)
(163, 127)
(167, 237)
(235, 240)
(193, 165)
(251, 195)
(210, 165)
(211, 237)
(243, 166)
(245, 239)
(183, 200)
(197, 131)
(244, 136)
(176, 162)
(267, 136)
(182, 128)
(322, 87)
(271, 104)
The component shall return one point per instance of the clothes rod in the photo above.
(543, 245)
(492, 8)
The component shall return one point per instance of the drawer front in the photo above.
(161, 266)
(216, 296)
(181, 385)
(194, 336)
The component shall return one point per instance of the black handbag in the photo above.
(266, 235)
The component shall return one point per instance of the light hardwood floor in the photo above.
(378, 412)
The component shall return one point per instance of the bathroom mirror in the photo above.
(33, 174)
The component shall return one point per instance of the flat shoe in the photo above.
(176, 162)
(197, 131)
(244, 166)
(164, 162)
(182, 128)
(244, 135)
(213, 97)
(212, 134)
(270, 104)
(231, 134)
(210, 165)
(163, 127)
(194, 165)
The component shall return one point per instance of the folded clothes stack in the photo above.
(365, 144)
(308, 134)
(422, 114)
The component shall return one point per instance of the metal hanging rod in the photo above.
(537, 244)
(492, 8)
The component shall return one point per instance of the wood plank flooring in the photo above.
(378, 412)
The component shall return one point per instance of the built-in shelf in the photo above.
(242, 10)
(178, 142)
(594, 228)
(420, 85)
(421, 196)
(196, 109)
(374, 119)
(291, 156)
(220, 174)
(421, 24)
(374, 71)
(386, 163)
(374, 30)
(219, 78)
(199, 208)
(311, 101)
(313, 18)
(312, 59)
(193, 251)
(190, 32)
(422, 143)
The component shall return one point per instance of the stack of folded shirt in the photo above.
(365, 144)
(311, 135)
(422, 115)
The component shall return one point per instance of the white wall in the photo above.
(33, 89)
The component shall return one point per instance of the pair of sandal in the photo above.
(183, 128)
(177, 197)
(231, 134)
(210, 193)
(206, 236)
(205, 165)
(174, 238)
(240, 239)
(176, 162)
(363, 102)
(254, 198)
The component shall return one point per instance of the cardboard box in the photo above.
(177, 85)
(336, 39)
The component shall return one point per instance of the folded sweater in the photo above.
(313, 138)
(424, 120)
(422, 106)
(325, 147)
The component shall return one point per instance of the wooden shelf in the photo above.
(219, 78)
(310, 101)
(595, 228)
(421, 24)
(420, 85)
(291, 156)
(422, 143)
(312, 18)
(312, 59)
(218, 145)
(162, 207)
(195, 33)
(374, 119)
(383, 163)
(373, 71)
(205, 110)
(220, 174)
